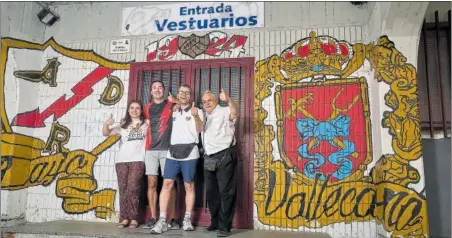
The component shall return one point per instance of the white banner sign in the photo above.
(120, 46)
(189, 17)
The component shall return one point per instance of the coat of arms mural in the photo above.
(314, 160)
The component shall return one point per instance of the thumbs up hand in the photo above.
(224, 97)
(110, 120)
(194, 109)
(171, 98)
(176, 107)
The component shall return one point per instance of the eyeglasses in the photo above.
(184, 92)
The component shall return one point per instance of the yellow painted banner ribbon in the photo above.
(283, 202)
(22, 166)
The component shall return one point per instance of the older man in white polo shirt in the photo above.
(219, 146)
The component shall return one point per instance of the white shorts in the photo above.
(153, 159)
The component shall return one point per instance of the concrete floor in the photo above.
(76, 229)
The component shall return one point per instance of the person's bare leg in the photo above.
(189, 204)
(152, 195)
(165, 194)
(161, 226)
(172, 201)
(189, 197)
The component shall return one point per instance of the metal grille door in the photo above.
(234, 76)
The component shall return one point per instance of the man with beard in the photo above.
(158, 116)
(182, 157)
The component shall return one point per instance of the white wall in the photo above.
(100, 20)
(402, 22)
(20, 20)
(92, 25)
(441, 7)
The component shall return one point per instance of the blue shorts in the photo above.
(173, 167)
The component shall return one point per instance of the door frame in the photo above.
(248, 64)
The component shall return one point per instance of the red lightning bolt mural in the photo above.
(62, 105)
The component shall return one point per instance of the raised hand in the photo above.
(176, 107)
(224, 97)
(198, 122)
(171, 98)
(110, 120)
(194, 110)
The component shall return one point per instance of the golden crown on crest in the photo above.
(321, 55)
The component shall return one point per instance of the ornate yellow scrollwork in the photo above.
(389, 178)
(403, 122)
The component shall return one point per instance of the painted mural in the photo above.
(28, 161)
(214, 44)
(323, 135)
(47, 75)
(314, 163)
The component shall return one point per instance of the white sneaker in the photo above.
(187, 225)
(160, 227)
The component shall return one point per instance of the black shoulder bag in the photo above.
(212, 164)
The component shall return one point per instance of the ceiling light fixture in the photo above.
(358, 3)
(47, 16)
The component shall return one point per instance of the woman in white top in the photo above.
(129, 161)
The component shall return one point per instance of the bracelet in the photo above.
(196, 117)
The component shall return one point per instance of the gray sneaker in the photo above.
(173, 225)
(151, 224)
(187, 226)
(160, 227)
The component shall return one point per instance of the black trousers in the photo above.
(221, 190)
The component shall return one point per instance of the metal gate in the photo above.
(434, 78)
(234, 76)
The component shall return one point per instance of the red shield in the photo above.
(326, 119)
